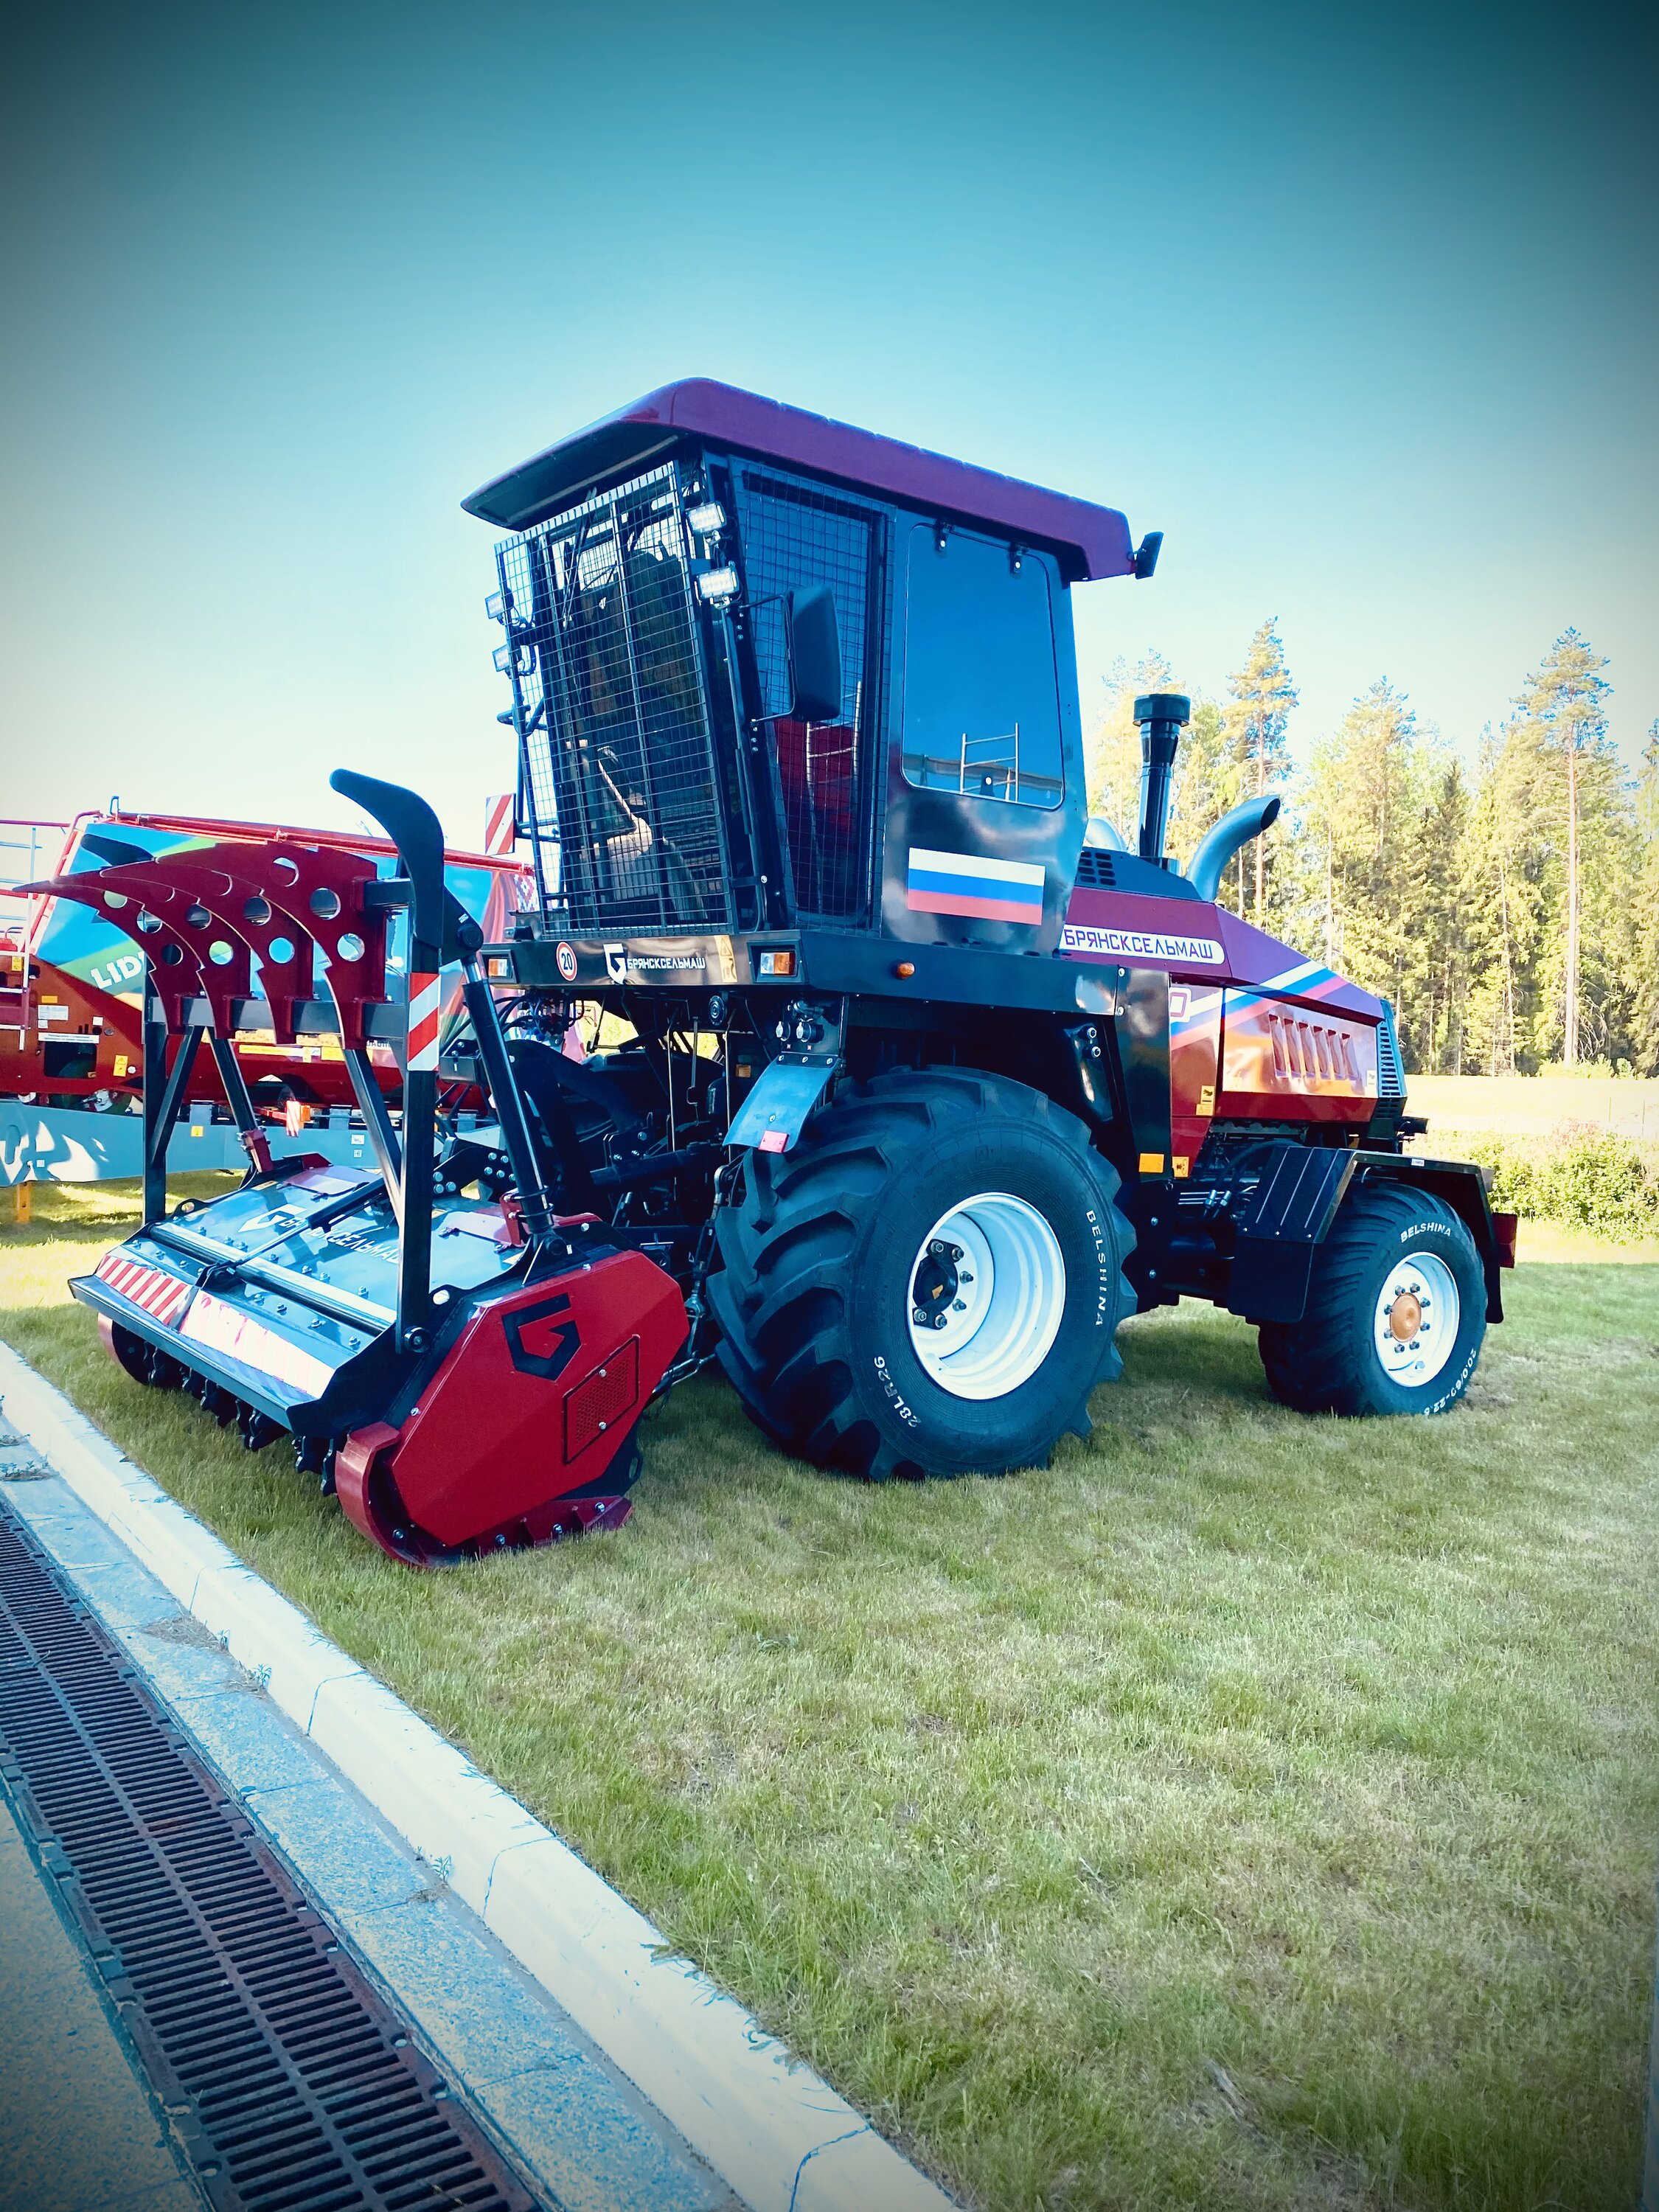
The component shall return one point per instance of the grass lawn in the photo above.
(1247, 1812)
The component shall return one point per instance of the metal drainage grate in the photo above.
(294, 2089)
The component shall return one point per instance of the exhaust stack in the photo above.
(1162, 715)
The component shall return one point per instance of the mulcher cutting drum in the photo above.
(277, 1306)
(464, 1367)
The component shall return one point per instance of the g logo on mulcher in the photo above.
(536, 1343)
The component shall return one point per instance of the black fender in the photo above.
(1288, 1214)
(1467, 1190)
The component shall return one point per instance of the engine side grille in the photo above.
(1390, 1070)
(299, 2091)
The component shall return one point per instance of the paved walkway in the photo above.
(78, 2132)
(582, 2136)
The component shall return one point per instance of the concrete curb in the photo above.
(783, 2139)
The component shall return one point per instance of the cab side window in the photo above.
(982, 709)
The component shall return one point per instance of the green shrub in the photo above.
(1583, 1176)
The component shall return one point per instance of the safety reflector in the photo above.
(501, 829)
(602, 1399)
(425, 998)
(163, 1297)
(219, 1328)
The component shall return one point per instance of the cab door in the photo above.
(985, 806)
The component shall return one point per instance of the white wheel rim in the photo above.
(1414, 1329)
(987, 1294)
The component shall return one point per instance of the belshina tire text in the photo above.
(818, 1257)
(1326, 1362)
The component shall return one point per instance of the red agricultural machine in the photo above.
(929, 1080)
(70, 968)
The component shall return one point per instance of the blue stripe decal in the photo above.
(981, 887)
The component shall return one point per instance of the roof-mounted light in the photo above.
(716, 586)
(708, 520)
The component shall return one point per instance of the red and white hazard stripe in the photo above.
(163, 1297)
(501, 827)
(425, 1001)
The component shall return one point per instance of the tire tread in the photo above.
(1310, 1364)
(785, 1247)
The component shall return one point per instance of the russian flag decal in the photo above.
(965, 883)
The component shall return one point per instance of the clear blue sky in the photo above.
(1359, 306)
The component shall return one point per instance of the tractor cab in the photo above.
(772, 674)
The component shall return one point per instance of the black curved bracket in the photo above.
(437, 919)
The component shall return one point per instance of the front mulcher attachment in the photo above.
(465, 1369)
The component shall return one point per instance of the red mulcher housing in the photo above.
(931, 1079)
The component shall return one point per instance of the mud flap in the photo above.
(1288, 1215)
(775, 1113)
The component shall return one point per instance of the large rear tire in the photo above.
(930, 1283)
(1396, 1312)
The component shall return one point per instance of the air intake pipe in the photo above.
(1230, 836)
(1162, 715)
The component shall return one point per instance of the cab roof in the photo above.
(1091, 541)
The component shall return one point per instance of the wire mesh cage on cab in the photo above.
(619, 772)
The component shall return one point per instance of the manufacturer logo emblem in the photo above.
(564, 959)
(538, 1342)
(616, 963)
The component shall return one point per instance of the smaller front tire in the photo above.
(1396, 1312)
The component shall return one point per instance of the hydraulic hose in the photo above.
(538, 1205)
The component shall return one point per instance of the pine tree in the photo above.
(1499, 909)
(1256, 724)
(1206, 782)
(1436, 1026)
(1555, 859)
(1564, 716)
(1367, 795)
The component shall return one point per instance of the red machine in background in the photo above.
(72, 971)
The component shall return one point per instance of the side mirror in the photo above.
(814, 655)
